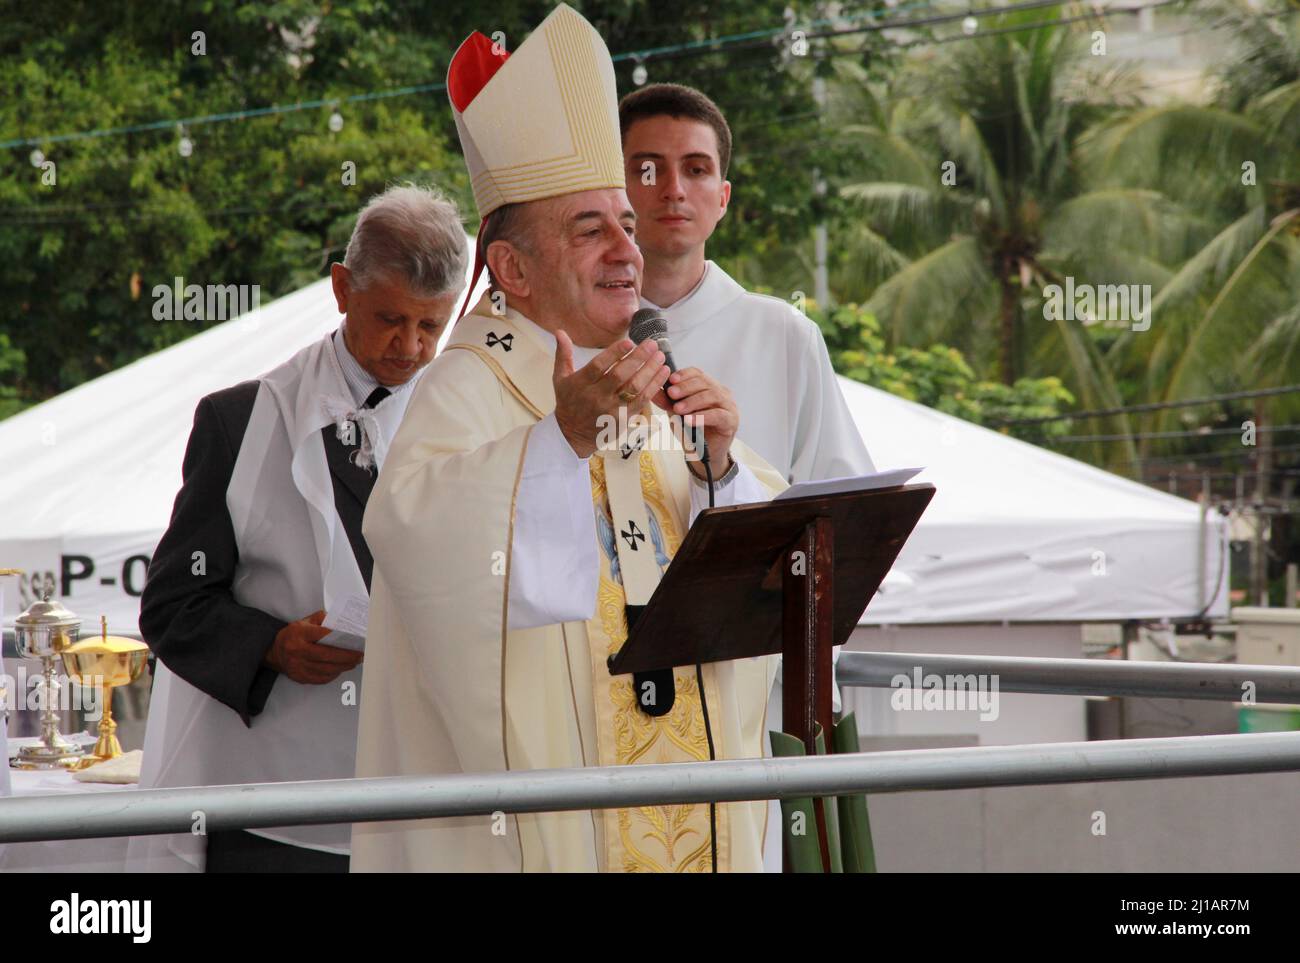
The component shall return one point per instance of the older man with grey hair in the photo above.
(265, 539)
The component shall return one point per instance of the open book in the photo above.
(853, 483)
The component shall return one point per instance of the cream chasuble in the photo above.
(449, 688)
(775, 362)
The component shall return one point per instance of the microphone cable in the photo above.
(648, 323)
(704, 702)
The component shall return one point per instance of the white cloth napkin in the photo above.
(124, 769)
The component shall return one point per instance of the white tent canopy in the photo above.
(1018, 533)
(90, 476)
(1013, 533)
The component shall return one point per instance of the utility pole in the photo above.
(821, 276)
(1202, 525)
(1258, 547)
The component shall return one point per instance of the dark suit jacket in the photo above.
(192, 622)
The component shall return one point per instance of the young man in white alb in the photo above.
(676, 147)
(676, 150)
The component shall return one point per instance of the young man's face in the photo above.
(674, 181)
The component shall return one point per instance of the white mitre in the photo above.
(540, 122)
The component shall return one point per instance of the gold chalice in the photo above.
(105, 662)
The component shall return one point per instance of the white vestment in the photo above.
(11, 700)
(294, 559)
(775, 362)
(455, 683)
(11, 697)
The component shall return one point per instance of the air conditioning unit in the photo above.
(1267, 636)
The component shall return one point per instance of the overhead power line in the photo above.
(51, 215)
(1191, 433)
(1197, 458)
(45, 216)
(690, 48)
(1151, 406)
(225, 116)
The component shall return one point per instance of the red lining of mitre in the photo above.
(472, 66)
(480, 263)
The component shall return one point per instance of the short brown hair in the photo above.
(675, 100)
(509, 222)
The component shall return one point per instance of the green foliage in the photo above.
(1265, 51)
(766, 98)
(1225, 314)
(938, 376)
(261, 200)
(967, 203)
(1060, 171)
(12, 365)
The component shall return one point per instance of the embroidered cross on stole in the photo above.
(630, 499)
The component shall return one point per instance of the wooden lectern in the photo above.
(790, 576)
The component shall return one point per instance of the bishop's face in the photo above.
(389, 330)
(584, 273)
(675, 183)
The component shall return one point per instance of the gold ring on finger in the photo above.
(627, 397)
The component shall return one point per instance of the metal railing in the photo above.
(1081, 677)
(151, 811)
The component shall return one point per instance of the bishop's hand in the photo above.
(699, 400)
(621, 376)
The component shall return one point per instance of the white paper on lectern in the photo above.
(854, 483)
(349, 622)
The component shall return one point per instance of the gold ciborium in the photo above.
(105, 663)
(43, 632)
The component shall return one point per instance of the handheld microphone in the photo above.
(649, 323)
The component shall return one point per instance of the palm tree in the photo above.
(973, 206)
(1229, 317)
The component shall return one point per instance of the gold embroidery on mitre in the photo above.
(546, 123)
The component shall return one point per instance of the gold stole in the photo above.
(648, 838)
